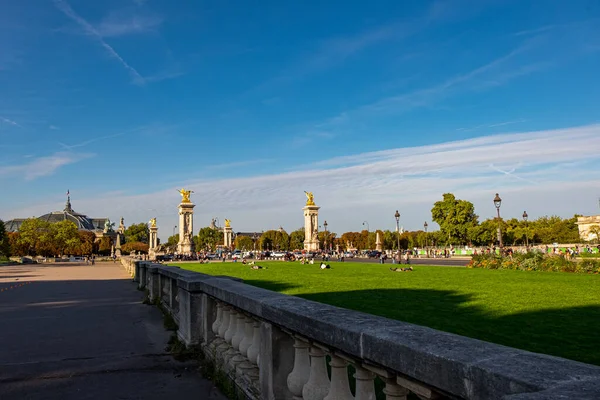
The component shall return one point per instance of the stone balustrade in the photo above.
(274, 346)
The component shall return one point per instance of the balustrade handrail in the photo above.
(454, 365)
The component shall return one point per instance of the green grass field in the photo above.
(545, 312)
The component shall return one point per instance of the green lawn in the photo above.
(545, 312)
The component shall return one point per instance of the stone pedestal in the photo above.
(311, 228)
(186, 228)
(153, 243)
(378, 244)
(227, 237)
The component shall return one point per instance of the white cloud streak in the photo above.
(42, 166)
(120, 25)
(562, 165)
(9, 122)
(66, 9)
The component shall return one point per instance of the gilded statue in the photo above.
(310, 198)
(227, 223)
(185, 195)
(153, 222)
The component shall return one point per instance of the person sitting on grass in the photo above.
(401, 269)
(325, 266)
(257, 267)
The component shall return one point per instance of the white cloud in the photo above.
(42, 166)
(54, 127)
(89, 30)
(117, 24)
(9, 121)
(545, 172)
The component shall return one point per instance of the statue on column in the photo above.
(310, 198)
(185, 195)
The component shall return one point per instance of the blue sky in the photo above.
(371, 105)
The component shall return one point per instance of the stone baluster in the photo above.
(218, 319)
(299, 375)
(254, 348)
(226, 313)
(340, 387)
(238, 334)
(247, 340)
(393, 391)
(365, 384)
(317, 386)
(232, 326)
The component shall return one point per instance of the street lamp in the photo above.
(497, 203)
(425, 226)
(175, 227)
(254, 237)
(325, 226)
(525, 216)
(397, 216)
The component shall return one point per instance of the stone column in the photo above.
(186, 228)
(153, 243)
(311, 228)
(276, 361)
(227, 237)
(118, 245)
(378, 245)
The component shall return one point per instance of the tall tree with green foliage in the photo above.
(137, 233)
(4, 244)
(244, 243)
(297, 239)
(455, 217)
(208, 239)
(66, 237)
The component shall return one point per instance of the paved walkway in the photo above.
(81, 332)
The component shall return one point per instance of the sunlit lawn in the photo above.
(545, 312)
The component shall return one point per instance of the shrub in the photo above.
(535, 261)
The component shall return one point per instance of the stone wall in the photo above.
(274, 346)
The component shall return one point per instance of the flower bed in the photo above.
(535, 262)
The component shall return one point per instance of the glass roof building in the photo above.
(82, 221)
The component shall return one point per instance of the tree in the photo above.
(455, 218)
(244, 243)
(297, 239)
(209, 238)
(36, 236)
(17, 247)
(135, 246)
(137, 233)
(4, 243)
(87, 243)
(105, 246)
(275, 240)
(65, 237)
(172, 242)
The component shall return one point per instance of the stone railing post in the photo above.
(299, 375)
(154, 283)
(339, 388)
(254, 348)
(365, 384)
(136, 274)
(275, 362)
(211, 315)
(141, 277)
(191, 313)
(317, 386)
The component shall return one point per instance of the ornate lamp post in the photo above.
(497, 203)
(254, 238)
(397, 216)
(325, 226)
(525, 216)
(426, 242)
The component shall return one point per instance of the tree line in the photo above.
(458, 222)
